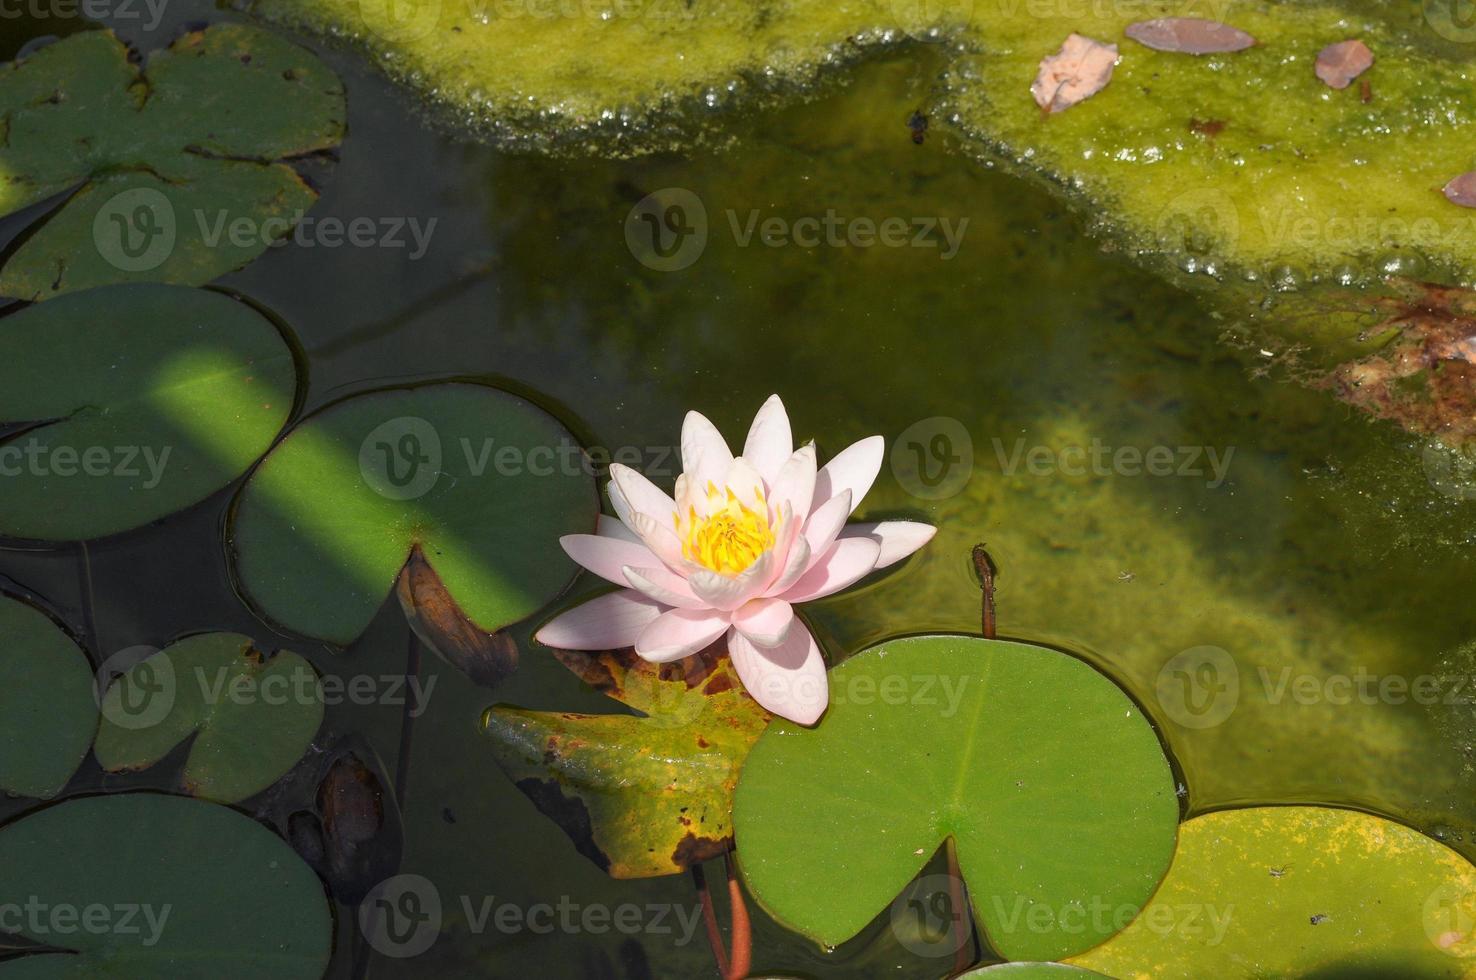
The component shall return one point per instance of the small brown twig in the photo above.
(987, 571)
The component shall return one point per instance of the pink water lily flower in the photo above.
(745, 539)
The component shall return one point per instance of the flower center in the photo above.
(731, 537)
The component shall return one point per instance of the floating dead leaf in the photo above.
(1338, 64)
(1462, 190)
(1189, 35)
(1081, 69)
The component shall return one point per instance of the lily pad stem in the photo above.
(963, 922)
(742, 933)
(985, 568)
(709, 918)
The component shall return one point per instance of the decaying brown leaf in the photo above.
(1424, 378)
(1462, 190)
(487, 658)
(1338, 64)
(1081, 69)
(1189, 35)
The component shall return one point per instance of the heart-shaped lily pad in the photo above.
(133, 402)
(481, 481)
(47, 711)
(142, 885)
(639, 796)
(1301, 892)
(251, 716)
(176, 166)
(1050, 781)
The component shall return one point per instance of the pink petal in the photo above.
(606, 557)
(1081, 69)
(764, 622)
(847, 562)
(663, 586)
(1189, 35)
(606, 622)
(825, 525)
(632, 494)
(795, 564)
(705, 454)
(789, 679)
(853, 468)
(662, 541)
(1462, 190)
(897, 539)
(679, 633)
(795, 484)
(1338, 64)
(770, 440)
(728, 592)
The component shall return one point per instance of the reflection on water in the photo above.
(1246, 557)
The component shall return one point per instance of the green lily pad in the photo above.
(162, 159)
(133, 402)
(1048, 778)
(481, 481)
(1301, 891)
(639, 796)
(142, 885)
(47, 708)
(251, 717)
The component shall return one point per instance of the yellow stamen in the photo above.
(731, 537)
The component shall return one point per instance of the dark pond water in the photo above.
(1304, 541)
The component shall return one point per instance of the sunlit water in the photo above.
(1306, 544)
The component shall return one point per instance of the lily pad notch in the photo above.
(448, 481)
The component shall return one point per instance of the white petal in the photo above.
(679, 633)
(847, 562)
(795, 564)
(795, 484)
(897, 539)
(607, 622)
(789, 679)
(770, 441)
(639, 496)
(853, 468)
(747, 485)
(765, 622)
(606, 557)
(665, 587)
(705, 454)
(613, 527)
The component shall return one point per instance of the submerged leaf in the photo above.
(133, 402)
(164, 161)
(1189, 35)
(1048, 778)
(639, 797)
(248, 717)
(1338, 64)
(1081, 69)
(1300, 891)
(47, 710)
(206, 891)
